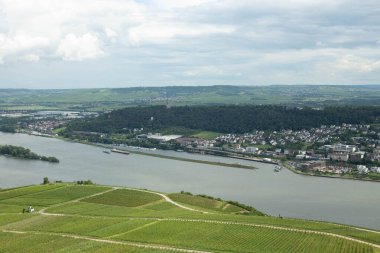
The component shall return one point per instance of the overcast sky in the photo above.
(121, 43)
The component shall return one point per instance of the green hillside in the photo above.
(91, 218)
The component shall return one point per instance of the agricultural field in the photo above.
(110, 99)
(160, 210)
(206, 203)
(27, 190)
(14, 242)
(238, 238)
(124, 197)
(45, 196)
(90, 218)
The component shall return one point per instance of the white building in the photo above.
(375, 169)
(163, 137)
(362, 169)
(344, 148)
(252, 150)
(339, 156)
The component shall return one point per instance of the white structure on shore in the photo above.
(164, 138)
(362, 169)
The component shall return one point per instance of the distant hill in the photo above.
(109, 99)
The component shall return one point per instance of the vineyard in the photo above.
(79, 218)
(124, 197)
(207, 203)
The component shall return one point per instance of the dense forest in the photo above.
(224, 119)
(24, 153)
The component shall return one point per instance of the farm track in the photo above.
(231, 223)
(42, 211)
(133, 244)
(166, 198)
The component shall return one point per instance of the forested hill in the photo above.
(225, 119)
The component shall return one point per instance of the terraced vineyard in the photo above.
(73, 218)
(206, 203)
(124, 197)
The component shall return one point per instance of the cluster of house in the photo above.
(340, 154)
(321, 134)
(195, 142)
(323, 166)
(310, 160)
(40, 115)
(45, 121)
(45, 126)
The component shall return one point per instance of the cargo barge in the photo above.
(120, 151)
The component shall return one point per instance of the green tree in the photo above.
(45, 180)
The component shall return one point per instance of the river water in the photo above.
(285, 193)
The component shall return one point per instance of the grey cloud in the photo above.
(161, 42)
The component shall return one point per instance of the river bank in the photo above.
(234, 165)
(294, 170)
(223, 164)
(285, 193)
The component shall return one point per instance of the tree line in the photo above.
(24, 153)
(225, 119)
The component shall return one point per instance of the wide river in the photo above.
(285, 193)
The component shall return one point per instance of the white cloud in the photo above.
(358, 64)
(274, 41)
(175, 4)
(110, 33)
(163, 32)
(20, 44)
(204, 71)
(78, 48)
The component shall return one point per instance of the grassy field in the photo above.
(104, 219)
(207, 135)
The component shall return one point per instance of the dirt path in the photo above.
(234, 223)
(278, 228)
(127, 243)
(166, 198)
(42, 211)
